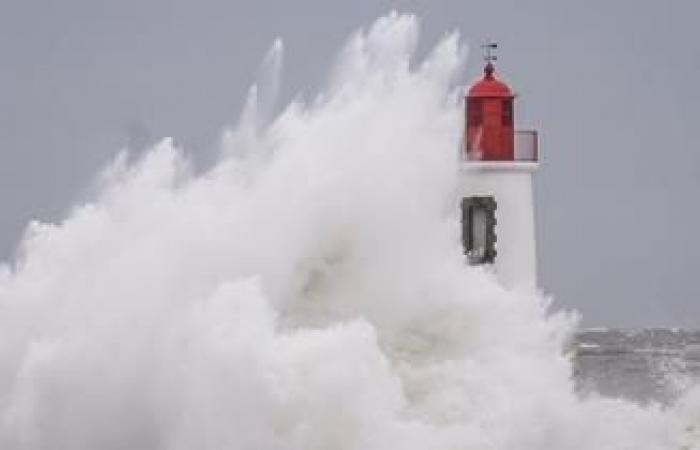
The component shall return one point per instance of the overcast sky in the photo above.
(612, 86)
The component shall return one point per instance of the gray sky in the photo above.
(612, 86)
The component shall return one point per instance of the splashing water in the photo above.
(307, 292)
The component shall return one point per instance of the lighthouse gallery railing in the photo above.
(525, 148)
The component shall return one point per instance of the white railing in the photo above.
(525, 148)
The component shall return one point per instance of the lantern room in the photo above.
(490, 134)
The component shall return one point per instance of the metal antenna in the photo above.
(488, 49)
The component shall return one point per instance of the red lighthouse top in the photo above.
(488, 133)
(489, 86)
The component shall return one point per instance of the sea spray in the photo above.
(306, 292)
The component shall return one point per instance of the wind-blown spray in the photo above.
(306, 292)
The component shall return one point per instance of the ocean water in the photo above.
(643, 365)
(305, 292)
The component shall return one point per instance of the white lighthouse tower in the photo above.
(497, 167)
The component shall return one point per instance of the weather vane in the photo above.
(488, 49)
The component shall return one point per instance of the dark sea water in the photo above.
(644, 365)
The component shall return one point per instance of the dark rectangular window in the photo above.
(507, 113)
(479, 229)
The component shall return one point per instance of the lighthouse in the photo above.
(497, 165)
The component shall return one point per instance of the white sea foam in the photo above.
(307, 292)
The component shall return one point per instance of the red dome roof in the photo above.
(489, 86)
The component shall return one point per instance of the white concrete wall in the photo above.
(510, 183)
